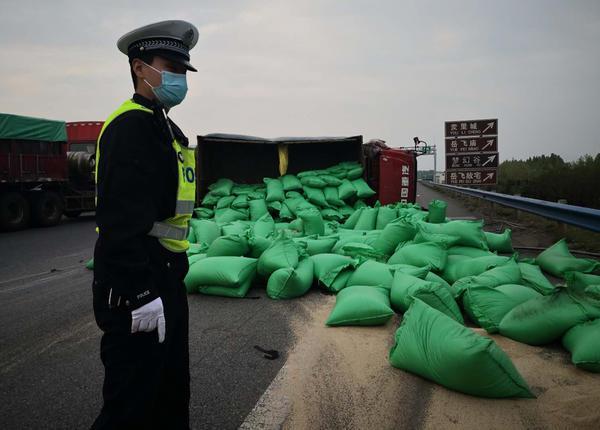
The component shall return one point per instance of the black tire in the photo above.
(14, 211)
(47, 208)
(72, 214)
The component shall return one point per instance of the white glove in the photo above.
(149, 317)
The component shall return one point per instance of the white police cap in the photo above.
(172, 39)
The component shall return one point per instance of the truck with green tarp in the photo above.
(40, 178)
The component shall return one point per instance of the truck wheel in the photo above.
(47, 208)
(14, 211)
(72, 214)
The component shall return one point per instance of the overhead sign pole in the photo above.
(472, 152)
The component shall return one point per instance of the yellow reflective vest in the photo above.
(172, 232)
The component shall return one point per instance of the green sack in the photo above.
(205, 231)
(367, 219)
(583, 342)
(316, 196)
(274, 190)
(362, 251)
(240, 202)
(487, 306)
(329, 214)
(446, 241)
(274, 207)
(196, 248)
(258, 245)
(534, 278)
(406, 288)
(332, 270)
(90, 264)
(363, 190)
(437, 211)
(210, 199)
(196, 257)
(259, 194)
(466, 266)
(264, 227)
(294, 194)
(296, 225)
(421, 255)
(372, 273)
(222, 187)
(468, 251)
(237, 227)
(283, 253)
(313, 182)
(394, 232)
(318, 246)
(436, 347)
(290, 183)
(500, 242)
(312, 222)
(221, 276)
(354, 173)
(332, 197)
(580, 281)
(229, 215)
(385, 216)
(225, 202)
(362, 306)
(346, 190)
(191, 237)
(296, 204)
(434, 277)
(508, 273)
(557, 260)
(245, 189)
(408, 269)
(288, 283)
(204, 213)
(258, 208)
(236, 246)
(545, 319)
(331, 181)
(353, 219)
(470, 233)
(346, 211)
(285, 213)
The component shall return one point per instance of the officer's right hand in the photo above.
(149, 317)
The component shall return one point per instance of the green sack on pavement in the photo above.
(221, 276)
(437, 211)
(332, 197)
(487, 306)
(500, 242)
(557, 260)
(372, 273)
(534, 278)
(283, 253)
(367, 219)
(228, 246)
(332, 270)
(346, 190)
(225, 202)
(221, 188)
(434, 346)
(90, 264)
(363, 190)
(275, 191)
(394, 233)
(470, 233)
(406, 288)
(421, 255)
(419, 272)
(288, 283)
(312, 222)
(362, 306)
(258, 208)
(465, 266)
(583, 342)
(433, 277)
(545, 319)
(258, 245)
(508, 273)
(206, 231)
(290, 183)
(385, 216)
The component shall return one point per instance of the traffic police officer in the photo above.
(145, 178)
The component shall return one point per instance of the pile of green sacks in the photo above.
(384, 260)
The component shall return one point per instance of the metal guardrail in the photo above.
(579, 216)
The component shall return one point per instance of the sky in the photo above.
(382, 69)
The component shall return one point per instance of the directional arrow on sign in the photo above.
(488, 144)
(489, 125)
(489, 160)
(488, 176)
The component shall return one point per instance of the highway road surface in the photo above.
(327, 378)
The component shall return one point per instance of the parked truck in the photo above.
(46, 170)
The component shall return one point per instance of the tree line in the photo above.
(549, 177)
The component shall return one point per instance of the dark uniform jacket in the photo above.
(137, 185)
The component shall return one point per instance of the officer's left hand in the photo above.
(148, 318)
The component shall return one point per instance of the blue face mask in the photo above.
(172, 89)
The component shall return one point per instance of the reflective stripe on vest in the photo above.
(172, 232)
